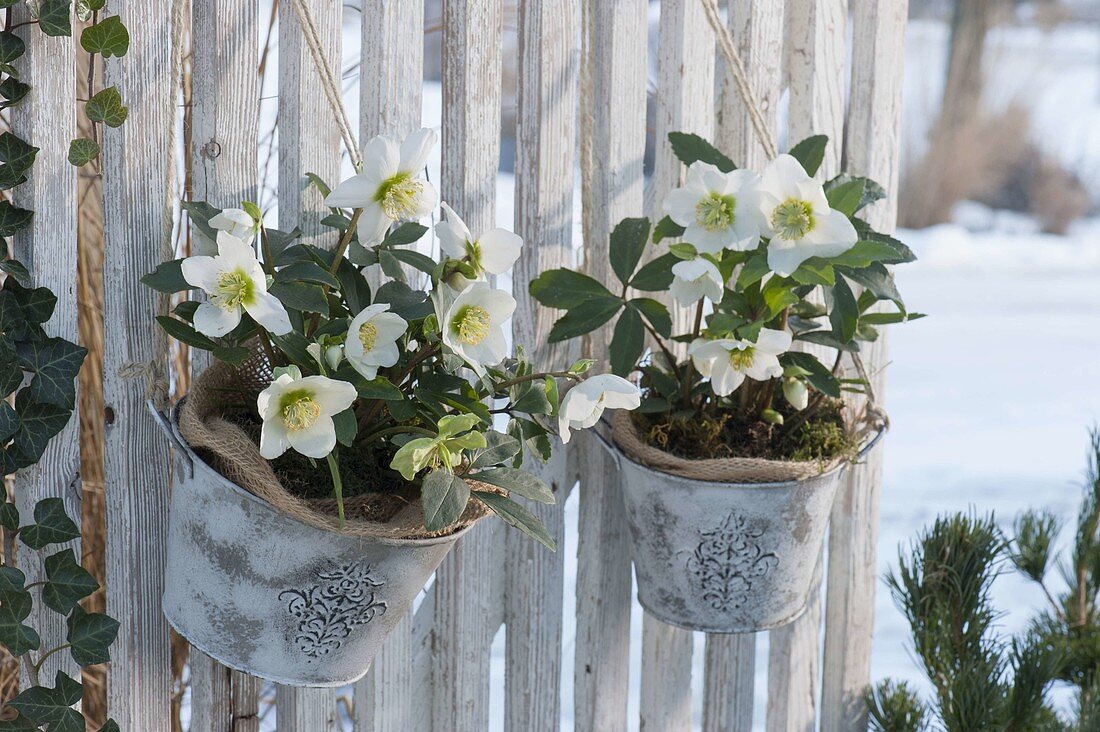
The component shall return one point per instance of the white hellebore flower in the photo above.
(798, 219)
(235, 281)
(695, 279)
(236, 221)
(372, 339)
(298, 412)
(472, 325)
(727, 361)
(390, 189)
(719, 210)
(583, 405)
(494, 252)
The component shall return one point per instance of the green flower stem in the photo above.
(269, 259)
(399, 429)
(337, 486)
(42, 659)
(672, 361)
(535, 377)
(345, 241)
(690, 367)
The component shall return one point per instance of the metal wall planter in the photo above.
(265, 594)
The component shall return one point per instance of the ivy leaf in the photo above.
(584, 318)
(54, 17)
(15, 606)
(36, 303)
(9, 516)
(13, 219)
(82, 151)
(38, 424)
(520, 482)
(67, 582)
(810, 152)
(51, 526)
(690, 147)
(444, 496)
(628, 242)
(55, 363)
(108, 37)
(9, 422)
(17, 157)
(15, 268)
(106, 107)
(110, 726)
(91, 636)
(52, 707)
(518, 516)
(11, 46)
(13, 91)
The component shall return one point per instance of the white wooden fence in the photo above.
(582, 99)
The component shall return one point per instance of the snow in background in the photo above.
(991, 395)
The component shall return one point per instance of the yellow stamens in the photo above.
(793, 219)
(715, 212)
(368, 334)
(741, 359)
(472, 325)
(234, 289)
(399, 195)
(299, 410)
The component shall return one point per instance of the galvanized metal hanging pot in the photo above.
(264, 593)
(725, 557)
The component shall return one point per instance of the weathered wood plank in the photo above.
(306, 710)
(872, 149)
(545, 159)
(309, 136)
(815, 56)
(613, 108)
(136, 456)
(757, 27)
(727, 686)
(48, 247)
(224, 131)
(390, 89)
(684, 102)
(471, 156)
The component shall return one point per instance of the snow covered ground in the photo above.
(992, 394)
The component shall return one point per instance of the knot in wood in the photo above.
(211, 149)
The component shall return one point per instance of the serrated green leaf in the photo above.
(184, 333)
(810, 152)
(83, 150)
(520, 482)
(499, 449)
(667, 228)
(444, 496)
(106, 107)
(108, 37)
(67, 582)
(301, 296)
(754, 270)
(627, 342)
(167, 277)
(235, 355)
(628, 242)
(407, 233)
(346, 427)
(814, 271)
(90, 636)
(689, 148)
(55, 363)
(565, 288)
(844, 314)
(846, 197)
(307, 272)
(878, 281)
(518, 516)
(584, 318)
(656, 275)
(655, 313)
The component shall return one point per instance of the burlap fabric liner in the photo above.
(229, 450)
(717, 470)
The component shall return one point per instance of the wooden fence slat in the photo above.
(391, 71)
(224, 133)
(309, 142)
(816, 31)
(728, 683)
(684, 102)
(48, 247)
(465, 603)
(757, 27)
(613, 109)
(871, 149)
(545, 159)
(136, 454)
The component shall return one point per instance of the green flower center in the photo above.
(368, 335)
(472, 325)
(793, 219)
(234, 289)
(299, 410)
(473, 252)
(715, 212)
(398, 196)
(741, 359)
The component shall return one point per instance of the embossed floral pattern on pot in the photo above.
(328, 611)
(727, 561)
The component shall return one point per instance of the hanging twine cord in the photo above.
(328, 79)
(740, 77)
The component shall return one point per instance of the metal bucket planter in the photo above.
(725, 557)
(265, 594)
